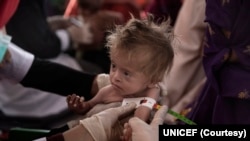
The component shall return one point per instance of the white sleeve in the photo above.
(64, 38)
(41, 139)
(186, 77)
(19, 65)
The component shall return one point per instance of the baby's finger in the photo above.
(71, 98)
(78, 102)
(68, 98)
(74, 99)
(82, 99)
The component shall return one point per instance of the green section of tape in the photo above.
(181, 117)
(3, 50)
(4, 42)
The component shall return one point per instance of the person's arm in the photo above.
(78, 133)
(52, 77)
(141, 131)
(47, 76)
(186, 77)
(104, 95)
(144, 112)
(100, 126)
(18, 65)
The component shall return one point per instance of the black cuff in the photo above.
(57, 137)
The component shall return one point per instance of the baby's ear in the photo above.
(152, 85)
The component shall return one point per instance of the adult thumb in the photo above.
(159, 116)
(136, 124)
(123, 111)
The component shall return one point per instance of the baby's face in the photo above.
(124, 76)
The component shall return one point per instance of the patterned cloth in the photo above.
(225, 97)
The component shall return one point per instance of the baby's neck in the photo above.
(141, 93)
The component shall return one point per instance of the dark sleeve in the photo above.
(161, 9)
(57, 137)
(56, 78)
(30, 30)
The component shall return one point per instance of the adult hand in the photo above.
(58, 22)
(6, 59)
(80, 32)
(101, 126)
(142, 131)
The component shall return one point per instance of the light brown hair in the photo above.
(146, 43)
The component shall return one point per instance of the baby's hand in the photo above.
(127, 133)
(77, 104)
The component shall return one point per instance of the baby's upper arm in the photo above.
(103, 91)
(153, 93)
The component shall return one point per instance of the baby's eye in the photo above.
(113, 65)
(126, 73)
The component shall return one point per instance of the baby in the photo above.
(140, 53)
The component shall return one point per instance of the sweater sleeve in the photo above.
(19, 64)
(56, 78)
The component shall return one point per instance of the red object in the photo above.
(71, 8)
(4, 135)
(124, 8)
(7, 9)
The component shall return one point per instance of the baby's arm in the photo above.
(104, 95)
(78, 105)
(144, 112)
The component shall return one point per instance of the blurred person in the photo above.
(34, 34)
(100, 21)
(103, 15)
(187, 70)
(225, 62)
(224, 54)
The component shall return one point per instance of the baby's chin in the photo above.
(117, 88)
(122, 91)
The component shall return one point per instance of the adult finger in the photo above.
(159, 116)
(136, 124)
(124, 110)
